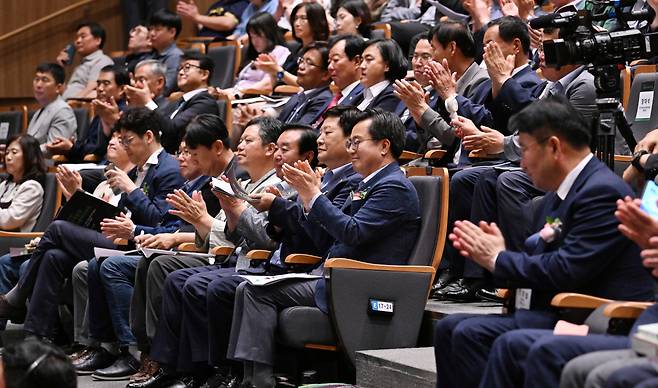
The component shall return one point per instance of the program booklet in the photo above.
(87, 211)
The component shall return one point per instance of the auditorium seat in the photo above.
(13, 120)
(226, 56)
(51, 203)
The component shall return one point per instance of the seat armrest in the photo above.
(300, 258)
(623, 158)
(478, 154)
(120, 241)
(222, 250)
(20, 234)
(287, 89)
(59, 159)
(256, 92)
(259, 254)
(190, 247)
(408, 156)
(355, 264)
(435, 154)
(626, 310)
(575, 300)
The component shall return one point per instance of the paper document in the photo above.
(258, 280)
(104, 252)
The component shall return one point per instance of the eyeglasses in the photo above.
(422, 57)
(186, 67)
(126, 141)
(307, 62)
(353, 144)
(184, 153)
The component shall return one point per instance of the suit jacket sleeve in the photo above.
(252, 226)
(62, 125)
(587, 249)
(387, 102)
(515, 96)
(315, 108)
(384, 203)
(149, 209)
(478, 113)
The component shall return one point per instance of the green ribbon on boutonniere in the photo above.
(145, 189)
(358, 195)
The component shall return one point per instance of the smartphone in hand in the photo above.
(650, 199)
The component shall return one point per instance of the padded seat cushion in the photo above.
(294, 325)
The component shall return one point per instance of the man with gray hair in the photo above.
(148, 84)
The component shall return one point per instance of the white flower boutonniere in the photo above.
(552, 229)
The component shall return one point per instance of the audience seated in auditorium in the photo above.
(164, 28)
(345, 68)
(353, 18)
(139, 48)
(385, 203)
(110, 285)
(109, 102)
(193, 75)
(64, 244)
(309, 24)
(383, 63)
(579, 249)
(255, 154)
(54, 118)
(89, 41)
(219, 21)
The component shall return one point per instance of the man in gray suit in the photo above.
(55, 118)
(453, 48)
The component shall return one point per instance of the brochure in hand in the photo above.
(87, 211)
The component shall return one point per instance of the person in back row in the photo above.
(164, 28)
(55, 118)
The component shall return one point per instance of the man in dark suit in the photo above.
(307, 106)
(345, 68)
(149, 85)
(64, 244)
(384, 204)
(383, 63)
(193, 74)
(579, 248)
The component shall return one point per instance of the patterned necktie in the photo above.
(334, 101)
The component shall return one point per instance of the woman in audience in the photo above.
(309, 24)
(353, 18)
(383, 63)
(35, 364)
(264, 39)
(21, 193)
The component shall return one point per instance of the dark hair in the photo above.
(393, 56)
(553, 116)
(205, 63)
(97, 31)
(34, 164)
(34, 364)
(353, 45)
(204, 130)
(53, 69)
(317, 20)
(121, 76)
(166, 18)
(385, 125)
(322, 49)
(263, 23)
(454, 31)
(358, 9)
(308, 140)
(413, 43)
(269, 128)
(140, 120)
(348, 117)
(512, 27)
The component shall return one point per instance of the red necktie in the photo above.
(335, 100)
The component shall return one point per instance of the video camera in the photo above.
(580, 43)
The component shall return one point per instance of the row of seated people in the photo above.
(340, 223)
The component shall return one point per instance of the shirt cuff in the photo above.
(310, 204)
(151, 105)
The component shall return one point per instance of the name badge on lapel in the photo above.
(523, 297)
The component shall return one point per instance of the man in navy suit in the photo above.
(579, 248)
(345, 68)
(384, 204)
(64, 244)
(194, 73)
(307, 106)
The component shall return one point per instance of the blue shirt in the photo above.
(269, 6)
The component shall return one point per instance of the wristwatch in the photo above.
(635, 162)
(279, 76)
